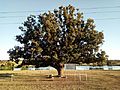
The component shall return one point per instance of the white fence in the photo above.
(45, 68)
(17, 69)
(82, 67)
(75, 67)
(97, 67)
(70, 66)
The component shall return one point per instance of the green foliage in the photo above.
(102, 58)
(24, 67)
(59, 37)
(7, 65)
(113, 62)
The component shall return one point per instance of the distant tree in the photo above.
(56, 38)
(2, 67)
(102, 58)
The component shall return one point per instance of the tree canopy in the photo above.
(58, 37)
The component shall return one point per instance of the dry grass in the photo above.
(37, 80)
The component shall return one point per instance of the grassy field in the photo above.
(38, 80)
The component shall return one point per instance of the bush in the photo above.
(24, 67)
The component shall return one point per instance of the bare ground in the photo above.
(75, 80)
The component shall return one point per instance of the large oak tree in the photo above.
(58, 37)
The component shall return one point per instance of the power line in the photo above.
(94, 19)
(5, 12)
(102, 7)
(84, 12)
(10, 23)
(11, 16)
(108, 19)
(102, 12)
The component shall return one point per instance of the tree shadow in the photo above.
(6, 75)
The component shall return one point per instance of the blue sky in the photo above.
(106, 14)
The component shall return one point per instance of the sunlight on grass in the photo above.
(38, 80)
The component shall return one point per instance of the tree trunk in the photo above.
(60, 69)
(60, 72)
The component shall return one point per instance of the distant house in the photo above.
(45, 68)
(70, 66)
(16, 69)
(82, 67)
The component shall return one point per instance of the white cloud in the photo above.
(3, 54)
(114, 54)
